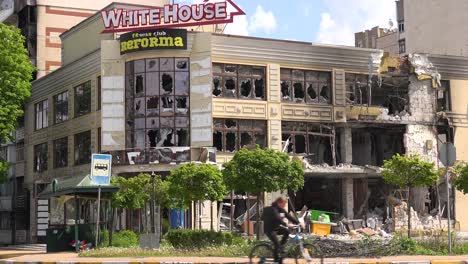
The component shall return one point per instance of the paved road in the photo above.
(19, 257)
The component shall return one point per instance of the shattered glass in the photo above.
(152, 106)
(286, 90)
(139, 84)
(217, 90)
(166, 64)
(231, 141)
(245, 88)
(246, 139)
(152, 122)
(259, 89)
(167, 83)
(182, 137)
(139, 105)
(152, 65)
(182, 105)
(218, 140)
(230, 87)
(181, 64)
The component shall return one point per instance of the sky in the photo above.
(318, 21)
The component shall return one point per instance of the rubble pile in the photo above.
(424, 222)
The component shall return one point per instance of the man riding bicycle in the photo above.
(273, 224)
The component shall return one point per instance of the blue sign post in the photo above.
(101, 167)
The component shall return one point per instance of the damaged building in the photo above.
(341, 110)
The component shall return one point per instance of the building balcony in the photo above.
(162, 155)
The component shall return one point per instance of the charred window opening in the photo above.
(158, 115)
(230, 87)
(390, 92)
(285, 90)
(139, 84)
(238, 81)
(40, 157)
(312, 140)
(231, 135)
(320, 194)
(300, 86)
(443, 97)
(218, 140)
(217, 90)
(166, 83)
(246, 88)
(373, 145)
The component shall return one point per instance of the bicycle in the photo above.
(263, 252)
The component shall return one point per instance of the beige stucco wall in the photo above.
(458, 90)
(437, 27)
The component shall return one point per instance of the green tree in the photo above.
(409, 172)
(15, 76)
(460, 180)
(195, 183)
(257, 171)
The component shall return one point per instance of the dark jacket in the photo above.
(272, 219)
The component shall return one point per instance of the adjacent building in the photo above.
(156, 109)
(378, 38)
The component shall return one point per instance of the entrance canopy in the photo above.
(74, 185)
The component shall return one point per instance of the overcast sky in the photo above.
(320, 21)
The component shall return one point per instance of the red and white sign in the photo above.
(170, 16)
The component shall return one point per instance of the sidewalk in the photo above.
(20, 257)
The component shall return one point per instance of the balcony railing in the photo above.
(164, 155)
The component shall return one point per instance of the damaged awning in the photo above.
(74, 185)
(340, 170)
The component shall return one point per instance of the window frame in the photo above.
(99, 93)
(317, 85)
(37, 168)
(64, 116)
(238, 79)
(153, 93)
(309, 131)
(58, 154)
(238, 130)
(402, 46)
(76, 148)
(41, 113)
(86, 86)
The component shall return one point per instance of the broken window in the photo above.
(139, 84)
(40, 157)
(238, 81)
(313, 140)
(83, 99)
(61, 152)
(231, 135)
(301, 86)
(158, 117)
(41, 111)
(356, 88)
(61, 107)
(83, 148)
(443, 96)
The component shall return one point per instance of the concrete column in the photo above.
(347, 186)
(346, 149)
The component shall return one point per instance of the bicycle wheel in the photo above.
(308, 253)
(262, 253)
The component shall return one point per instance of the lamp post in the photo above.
(153, 227)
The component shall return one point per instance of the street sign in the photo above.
(101, 169)
(447, 154)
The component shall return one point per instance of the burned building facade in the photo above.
(341, 110)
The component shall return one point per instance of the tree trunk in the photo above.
(211, 212)
(248, 215)
(258, 217)
(199, 215)
(409, 212)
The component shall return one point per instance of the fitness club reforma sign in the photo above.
(170, 16)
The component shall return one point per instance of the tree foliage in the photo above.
(409, 171)
(460, 180)
(4, 166)
(195, 182)
(257, 170)
(135, 191)
(15, 76)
